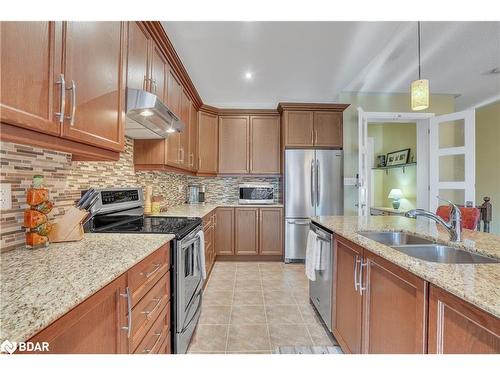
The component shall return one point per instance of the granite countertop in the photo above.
(474, 283)
(39, 286)
(202, 209)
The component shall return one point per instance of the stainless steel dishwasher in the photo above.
(320, 290)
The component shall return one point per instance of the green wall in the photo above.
(390, 137)
(488, 159)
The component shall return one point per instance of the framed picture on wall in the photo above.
(398, 157)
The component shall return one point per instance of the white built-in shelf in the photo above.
(403, 166)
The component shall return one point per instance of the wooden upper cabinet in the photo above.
(265, 148)
(94, 62)
(394, 308)
(192, 157)
(138, 57)
(457, 327)
(157, 83)
(234, 144)
(207, 143)
(174, 90)
(94, 326)
(29, 89)
(246, 229)
(224, 231)
(298, 128)
(271, 231)
(328, 129)
(348, 301)
(185, 115)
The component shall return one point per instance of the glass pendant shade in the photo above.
(420, 94)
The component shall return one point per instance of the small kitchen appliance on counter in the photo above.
(121, 210)
(195, 194)
(256, 193)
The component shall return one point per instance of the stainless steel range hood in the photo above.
(148, 117)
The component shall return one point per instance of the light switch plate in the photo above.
(5, 197)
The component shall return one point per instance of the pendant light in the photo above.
(420, 87)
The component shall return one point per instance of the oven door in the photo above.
(188, 290)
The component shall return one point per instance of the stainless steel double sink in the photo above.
(422, 248)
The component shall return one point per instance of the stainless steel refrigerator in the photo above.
(313, 187)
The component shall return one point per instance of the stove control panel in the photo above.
(119, 196)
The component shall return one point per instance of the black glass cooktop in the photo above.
(178, 226)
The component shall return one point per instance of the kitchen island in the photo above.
(387, 301)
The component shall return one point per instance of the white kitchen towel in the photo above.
(201, 255)
(312, 249)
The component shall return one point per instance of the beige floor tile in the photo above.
(309, 315)
(271, 266)
(209, 338)
(278, 297)
(203, 353)
(272, 275)
(213, 297)
(320, 336)
(223, 275)
(215, 314)
(301, 295)
(247, 266)
(220, 285)
(252, 352)
(248, 285)
(289, 334)
(248, 297)
(273, 284)
(283, 314)
(250, 275)
(248, 337)
(248, 315)
(225, 265)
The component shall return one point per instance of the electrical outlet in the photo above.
(180, 188)
(5, 197)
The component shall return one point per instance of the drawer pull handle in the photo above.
(126, 295)
(158, 336)
(148, 312)
(155, 269)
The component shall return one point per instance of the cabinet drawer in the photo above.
(155, 337)
(147, 310)
(145, 274)
(166, 346)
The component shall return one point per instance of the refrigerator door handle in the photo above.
(317, 184)
(313, 190)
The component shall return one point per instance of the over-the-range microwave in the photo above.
(256, 193)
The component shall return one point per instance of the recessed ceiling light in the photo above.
(248, 75)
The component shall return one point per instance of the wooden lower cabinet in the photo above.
(270, 231)
(347, 317)
(246, 230)
(456, 327)
(209, 223)
(394, 308)
(224, 231)
(94, 326)
(100, 324)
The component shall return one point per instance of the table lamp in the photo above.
(395, 195)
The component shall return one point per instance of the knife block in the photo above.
(69, 226)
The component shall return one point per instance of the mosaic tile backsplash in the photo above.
(66, 178)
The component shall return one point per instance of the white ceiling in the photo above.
(315, 61)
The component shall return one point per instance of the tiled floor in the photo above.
(252, 307)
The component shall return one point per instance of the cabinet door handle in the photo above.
(62, 98)
(155, 86)
(156, 267)
(315, 136)
(158, 336)
(71, 117)
(128, 327)
(357, 260)
(199, 163)
(361, 287)
(157, 304)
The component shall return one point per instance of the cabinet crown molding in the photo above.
(335, 107)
